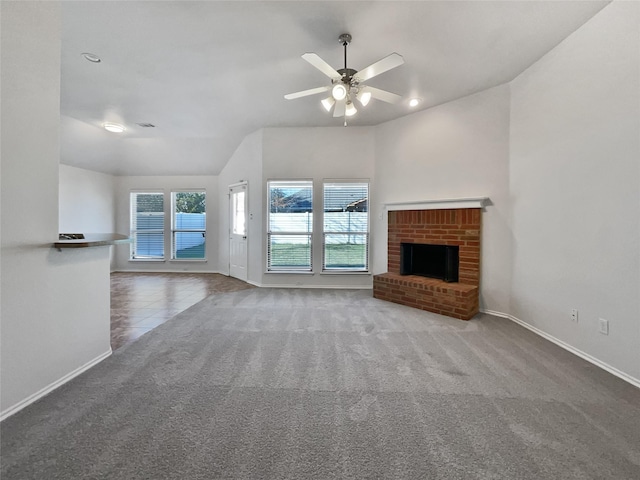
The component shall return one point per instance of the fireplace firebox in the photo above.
(434, 261)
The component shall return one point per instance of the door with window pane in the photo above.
(238, 202)
(189, 225)
(346, 227)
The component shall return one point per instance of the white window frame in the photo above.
(350, 270)
(308, 234)
(174, 230)
(133, 215)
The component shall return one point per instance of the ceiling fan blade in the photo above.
(384, 95)
(321, 65)
(305, 93)
(387, 63)
(340, 108)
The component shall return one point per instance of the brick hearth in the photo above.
(436, 227)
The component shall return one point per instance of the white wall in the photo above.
(125, 185)
(244, 165)
(55, 305)
(87, 201)
(315, 154)
(456, 150)
(575, 185)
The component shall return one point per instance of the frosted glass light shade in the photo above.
(339, 91)
(327, 103)
(364, 97)
(350, 110)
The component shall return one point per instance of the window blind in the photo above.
(345, 222)
(290, 226)
(147, 225)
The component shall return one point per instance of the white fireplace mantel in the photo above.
(439, 204)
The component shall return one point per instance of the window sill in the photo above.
(345, 272)
(144, 260)
(188, 260)
(289, 272)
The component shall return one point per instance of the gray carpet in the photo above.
(301, 384)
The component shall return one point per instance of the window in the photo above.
(188, 225)
(147, 226)
(290, 226)
(346, 227)
(238, 216)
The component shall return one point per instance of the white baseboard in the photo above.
(330, 287)
(52, 386)
(598, 363)
(138, 270)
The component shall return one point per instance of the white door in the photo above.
(238, 231)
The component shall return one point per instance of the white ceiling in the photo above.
(208, 73)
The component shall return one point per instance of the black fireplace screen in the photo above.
(435, 261)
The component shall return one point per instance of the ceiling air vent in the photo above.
(146, 125)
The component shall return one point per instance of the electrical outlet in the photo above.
(574, 314)
(603, 326)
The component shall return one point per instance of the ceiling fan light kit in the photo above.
(347, 84)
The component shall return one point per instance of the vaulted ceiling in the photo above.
(208, 73)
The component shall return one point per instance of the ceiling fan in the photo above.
(347, 84)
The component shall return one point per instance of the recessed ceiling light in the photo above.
(113, 127)
(414, 102)
(92, 57)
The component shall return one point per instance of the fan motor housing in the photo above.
(347, 74)
(344, 39)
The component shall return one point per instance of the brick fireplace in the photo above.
(446, 226)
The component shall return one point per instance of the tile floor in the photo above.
(142, 301)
